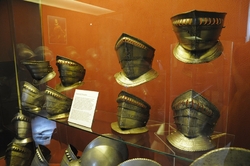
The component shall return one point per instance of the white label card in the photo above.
(83, 107)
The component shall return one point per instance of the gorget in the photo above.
(32, 99)
(126, 82)
(200, 143)
(194, 57)
(135, 57)
(22, 125)
(56, 104)
(71, 72)
(198, 35)
(41, 71)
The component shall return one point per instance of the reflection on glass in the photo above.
(42, 130)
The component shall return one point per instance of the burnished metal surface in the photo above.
(198, 33)
(112, 141)
(32, 99)
(227, 156)
(70, 157)
(135, 57)
(56, 104)
(102, 155)
(41, 71)
(133, 112)
(71, 73)
(22, 125)
(139, 162)
(42, 156)
(195, 118)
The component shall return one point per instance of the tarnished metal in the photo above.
(135, 57)
(41, 71)
(22, 125)
(42, 156)
(198, 33)
(19, 154)
(56, 104)
(71, 73)
(195, 118)
(133, 112)
(32, 99)
(228, 156)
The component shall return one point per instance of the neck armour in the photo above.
(133, 112)
(71, 73)
(41, 71)
(42, 156)
(19, 154)
(198, 33)
(56, 104)
(195, 118)
(32, 99)
(135, 58)
(22, 126)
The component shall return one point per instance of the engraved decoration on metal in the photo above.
(132, 115)
(195, 118)
(135, 57)
(198, 35)
(228, 156)
(71, 73)
(57, 104)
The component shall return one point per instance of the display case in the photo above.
(100, 38)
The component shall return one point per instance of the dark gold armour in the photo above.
(32, 99)
(41, 71)
(135, 58)
(198, 33)
(71, 73)
(56, 104)
(133, 113)
(195, 118)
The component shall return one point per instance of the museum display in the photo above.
(31, 98)
(132, 114)
(57, 105)
(198, 35)
(139, 161)
(41, 71)
(136, 58)
(71, 73)
(20, 151)
(42, 156)
(228, 156)
(195, 118)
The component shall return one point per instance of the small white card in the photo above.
(83, 107)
